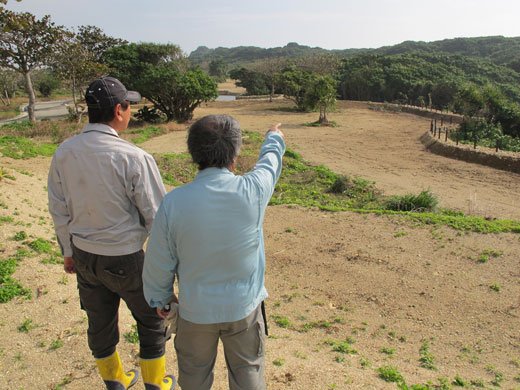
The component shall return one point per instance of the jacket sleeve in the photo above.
(268, 168)
(147, 190)
(59, 210)
(160, 263)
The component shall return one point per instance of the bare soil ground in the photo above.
(387, 285)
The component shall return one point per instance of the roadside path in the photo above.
(43, 110)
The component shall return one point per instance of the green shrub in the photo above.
(424, 201)
(20, 236)
(41, 246)
(390, 374)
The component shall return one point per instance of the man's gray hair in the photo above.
(214, 141)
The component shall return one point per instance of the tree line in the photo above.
(160, 72)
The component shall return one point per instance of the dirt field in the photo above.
(384, 284)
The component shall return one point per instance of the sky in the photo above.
(329, 24)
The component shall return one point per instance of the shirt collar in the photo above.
(100, 128)
(211, 172)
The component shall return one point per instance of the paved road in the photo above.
(43, 110)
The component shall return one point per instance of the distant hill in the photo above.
(498, 49)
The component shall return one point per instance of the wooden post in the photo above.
(445, 135)
(457, 137)
(431, 126)
(439, 134)
(435, 126)
(497, 146)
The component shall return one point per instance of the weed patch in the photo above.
(143, 134)
(24, 148)
(132, 336)
(9, 287)
(41, 245)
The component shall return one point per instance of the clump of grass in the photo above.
(281, 321)
(279, 362)
(342, 346)
(132, 336)
(41, 245)
(427, 359)
(52, 260)
(26, 325)
(388, 351)
(424, 201)
(20, 236)
(56, 344)
(9, 287)
(315, 325)
(494, 287)
(390, 374)
(145, 133)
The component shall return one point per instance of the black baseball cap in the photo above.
(108, 92)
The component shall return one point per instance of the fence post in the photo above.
(497, 146)
(457, 137)
(439, 133)
(431, 126)
(446, 135)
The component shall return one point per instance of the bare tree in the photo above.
(26, 43)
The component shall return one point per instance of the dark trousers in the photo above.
(102, 282)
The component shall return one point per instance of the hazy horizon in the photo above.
(328, 24)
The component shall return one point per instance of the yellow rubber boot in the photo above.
(111, 370)
(154, 378)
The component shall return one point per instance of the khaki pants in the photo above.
(244, 350)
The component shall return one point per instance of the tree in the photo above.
(294, 83)
(271, 69)
(218, 70)
(255, 83)
(162, 74)
(321, 94)
(26, 43)
(78, 58)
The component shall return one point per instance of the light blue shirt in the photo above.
(209, 234)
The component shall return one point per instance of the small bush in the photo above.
(425, 201)
(390, 374)
(41, 246)
(149, 115)
(20, 236)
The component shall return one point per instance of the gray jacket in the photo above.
(103, 193)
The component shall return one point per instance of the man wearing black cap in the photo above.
(103, 195)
